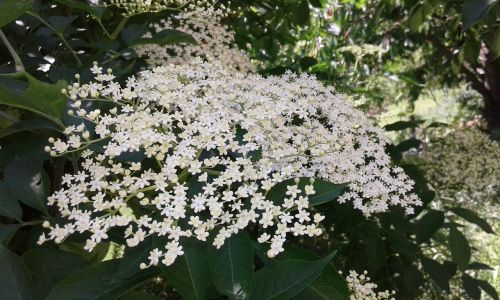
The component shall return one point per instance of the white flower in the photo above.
(200, 125)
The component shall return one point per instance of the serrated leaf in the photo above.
(13, 9)
(41, 98)
(231, 267)
(459, 248)
(105, 280)
(286, 279)
(9, 206)
(472, 217)
(15, 283)
(166, 37)
(189, 274)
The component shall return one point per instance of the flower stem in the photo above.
(119, 28)
(17, 60)
(60, 35)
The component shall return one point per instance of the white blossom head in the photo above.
(195, 149)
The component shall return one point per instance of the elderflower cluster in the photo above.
(214, 41)
(361, 288)
(193, 151)
(464, 167)
(134, 7)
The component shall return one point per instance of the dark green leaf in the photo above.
(9, 206)
(427, 225)
(166, 37)
(408, 144)
(488, 289)
(473, 11)
(400, 125)
(7, 232)
(13, 9)
(189, 274)
(440, 273)
(25, 179)
(325, 191)
(286, 279)
(135, 295)
(459, 248)
(231, 267)
(302, 13)
(329, 285)
(307, 62)
(49, 266)
(472, 217)
(15, 283)
(478, 266)
(471, 287)
(29, 125)
(95, 11)
(41, 98)
(105, 280)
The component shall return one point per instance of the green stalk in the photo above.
(119, 28)
(17, 60)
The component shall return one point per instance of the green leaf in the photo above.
(329, 285)
(459, 248)
(189, 274)
(478, 266)
(488, 289)
(440, 273)
(231, 267)
(7, 232)
(473, 11)
(471, 287)
(286, 279)
(15, 283)
(9, 206)
(325, 191)
(95, 11)
(307, 62)
(302, 13)
(408, 144)
(401, 125)
(416, 19)
(105, 280)
(13, 9)
(49, 266)
(41, 98)
(26, 180)
(428, 224)
(136, 295)
(166, 37)
(29, 125)
(472, 217)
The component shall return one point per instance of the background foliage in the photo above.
(382, 53)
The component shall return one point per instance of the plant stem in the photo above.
(119, 28)
(17, 60)
(60, 35)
